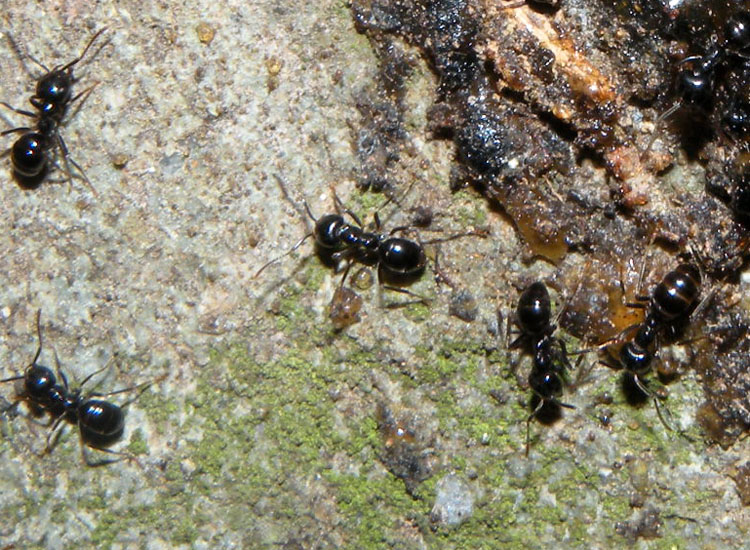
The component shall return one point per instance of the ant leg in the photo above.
(83, 175)
(294, 204)
(641, 300)
(53, 434)
(423, 299)
(21, 57)
(103, 462)
(67, 160)
(12, 378)
(564, 354)
(617, 339)
(309, 213)
(19, 111)
(140, 388)
(610, 361)
(85, 94)
(704, 303)
(346, 272)
(97, 371)
(581, 377)
(13, 131)
(528, 421)
(440, 276)
(516, 343)
(337, 204)
(663, 420)
(354, 217)
(60, 373)
(478, 233)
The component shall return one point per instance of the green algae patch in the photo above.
(137, 445)
(371, 508)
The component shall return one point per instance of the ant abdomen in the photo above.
(534, 309)
(28, 155)
(100, 420)
(399, 256)
(677, 293)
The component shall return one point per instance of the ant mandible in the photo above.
(672, 302)
(546, 379)
(100, 423)
(54, 94)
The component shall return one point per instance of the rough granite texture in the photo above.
(271, 429)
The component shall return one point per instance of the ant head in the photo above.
(737, 31)
(545, 383)
(634, 359)
(327, 231)
(38, 380)
(695, 86)
(53, 92)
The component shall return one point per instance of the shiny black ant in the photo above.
(54, 94)
(696, 80)
(100, 423)
(673, 300)
(546, 379)
(399, 260)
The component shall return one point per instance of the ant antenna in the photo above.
(83, 53)
(295, 247)
(39, 335)
(662, 117)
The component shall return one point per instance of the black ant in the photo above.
(696, 80)
(546, 379)
(100, 423)
(695, 83)
(670, 305)
(399, 260)
(53, 95)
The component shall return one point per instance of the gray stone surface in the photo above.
(265, 431)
